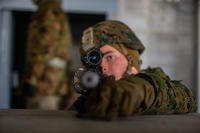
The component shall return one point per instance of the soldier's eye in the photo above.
(109, 57)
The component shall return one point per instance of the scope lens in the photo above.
(94, 57)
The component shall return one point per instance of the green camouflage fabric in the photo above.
(48, 58)
(171, 95)
(109, 32)
(149, 92)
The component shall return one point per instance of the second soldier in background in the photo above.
(46, 80)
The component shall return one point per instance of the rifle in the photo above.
(89, 77)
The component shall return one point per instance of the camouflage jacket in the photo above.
(149, 92)
(171, 96)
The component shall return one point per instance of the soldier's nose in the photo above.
(104, 67)
(104, 70)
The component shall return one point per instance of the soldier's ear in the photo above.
(134, 70)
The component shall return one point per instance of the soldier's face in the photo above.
(113, 62)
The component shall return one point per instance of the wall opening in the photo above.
(21, 19)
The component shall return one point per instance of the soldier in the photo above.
(48, 59)
(132, 91)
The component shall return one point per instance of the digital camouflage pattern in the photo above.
(48, 44)
(116, 34)
(110, 32)
(171, 95)
(124, 97)
(149, 92)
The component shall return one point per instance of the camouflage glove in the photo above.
(119, 98)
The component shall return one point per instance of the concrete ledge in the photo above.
(40, 121)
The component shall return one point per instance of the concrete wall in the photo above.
(168, 31)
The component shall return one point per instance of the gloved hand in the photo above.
(118, 98)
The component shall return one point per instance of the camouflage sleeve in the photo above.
(125, 97)
(185, 101)
(171, 95)
(139, 87)
(145, 93)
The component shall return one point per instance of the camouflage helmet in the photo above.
(110, 32)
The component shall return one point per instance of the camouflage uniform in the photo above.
(150, 91)
(48, 45)
(171, 95)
